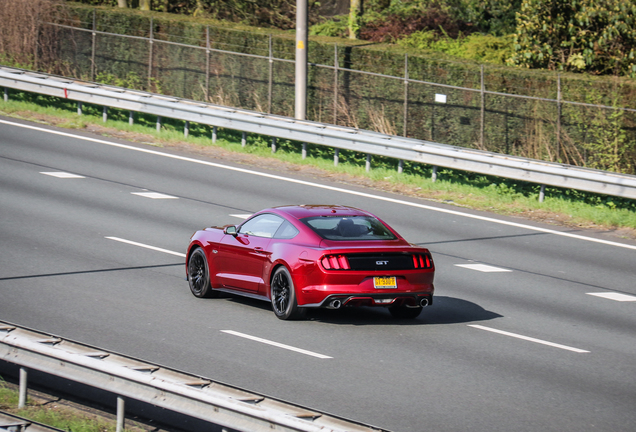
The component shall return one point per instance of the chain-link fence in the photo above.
(559, 119)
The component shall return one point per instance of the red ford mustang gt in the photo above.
(312, 256)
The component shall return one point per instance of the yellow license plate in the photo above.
(385, 282)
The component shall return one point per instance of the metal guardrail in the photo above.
(170, 389)
(12, 423)
(371, 143)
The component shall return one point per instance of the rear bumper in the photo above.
(336, 301)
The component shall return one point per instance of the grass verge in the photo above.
(565, 207)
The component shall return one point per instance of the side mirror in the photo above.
(231, 230)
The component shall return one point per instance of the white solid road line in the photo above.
(530, 339)
(331, 188)
(276, 344)
(153, 195)
(179, 254)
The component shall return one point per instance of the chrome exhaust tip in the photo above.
(424, 302)
(335, 304)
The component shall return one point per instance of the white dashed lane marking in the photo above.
(276, 344)
(154, 195)
(63, 175)
(483, 268)
(145, 246)
(614, 296)
(529, 339)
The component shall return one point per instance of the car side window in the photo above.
(264, 225)
(286, 231)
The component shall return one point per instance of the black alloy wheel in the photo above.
(284, 296)
(199, 275)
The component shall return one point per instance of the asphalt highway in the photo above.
(533, 327)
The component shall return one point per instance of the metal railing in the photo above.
(482, 116)
(372, 143)
(177, 391)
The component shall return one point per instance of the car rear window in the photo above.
(349, 228)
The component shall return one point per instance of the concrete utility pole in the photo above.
(301, 59)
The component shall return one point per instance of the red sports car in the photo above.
(312, 256)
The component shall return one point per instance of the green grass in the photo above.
(52, 414)
(476, 191)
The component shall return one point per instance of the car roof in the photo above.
(313, 210)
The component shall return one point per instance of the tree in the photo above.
(597, 36)
(122, 3)
(144, 5)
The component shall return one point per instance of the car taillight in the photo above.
(335, 262)
(422, 261)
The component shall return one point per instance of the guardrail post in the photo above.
(434, 175)
(273, 144)
(105, 114)
(368, 164)
(79, 108)
(131, 118)
(336, 156)
(400, 166)
(158, 123)
(23, 388)
(121, 413)
(186, 129)
(542, 194)
(6, 94)
(244, 139)
(214, 134)
(304, 151)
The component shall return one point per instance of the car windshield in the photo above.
(349, 228)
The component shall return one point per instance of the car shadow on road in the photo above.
(445, 310)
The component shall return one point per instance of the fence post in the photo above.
(406, 92)
(94, 39)
(22, 399)
(335, 84)
(482, 125)
(271, 77)
(150, 43)
(207, 63)
(558, 132)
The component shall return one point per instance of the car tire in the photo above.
(403, 312)
(199, 275)
(283, 296)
